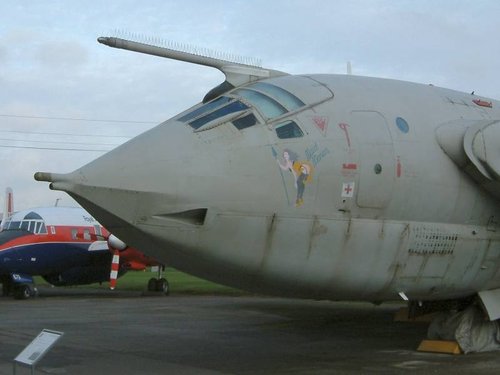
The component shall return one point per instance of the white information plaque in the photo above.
(38, 347)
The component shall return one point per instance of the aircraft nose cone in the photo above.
(131, 183)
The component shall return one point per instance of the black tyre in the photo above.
(162, 286)
(152, 285)
(23, 291)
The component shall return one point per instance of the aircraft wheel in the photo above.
(152, 285)
(22, 292)
(162, 286)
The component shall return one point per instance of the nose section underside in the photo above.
(142, 219)
(134, 187)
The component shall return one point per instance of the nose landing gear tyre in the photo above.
(159, 285)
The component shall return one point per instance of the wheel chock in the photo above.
(439, 346)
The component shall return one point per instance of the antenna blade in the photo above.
(349, 68)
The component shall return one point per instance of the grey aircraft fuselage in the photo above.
(312, 186)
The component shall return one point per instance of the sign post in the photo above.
(35, 351)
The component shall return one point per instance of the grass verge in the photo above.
(180, 283)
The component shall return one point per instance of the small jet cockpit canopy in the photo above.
(32, 222)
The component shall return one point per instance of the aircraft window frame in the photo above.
(34, 226)
(288, 133)
(268, 106)
(205, 108)
(282, 96)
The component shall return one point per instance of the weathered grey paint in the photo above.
(418, 223)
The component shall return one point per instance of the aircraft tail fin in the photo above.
(8, 209)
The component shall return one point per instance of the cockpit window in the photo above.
(288, 130)
(245, 121)
(270, 100)
(32, 223)
(205, 108)
(223, 108)
(232, 107)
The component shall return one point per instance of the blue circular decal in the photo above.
(402, 125)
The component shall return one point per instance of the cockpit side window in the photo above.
(288, 130)
(41, 228)
(205, 108)
(245, 121)
(232, 107)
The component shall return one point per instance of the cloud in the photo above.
(59, 54)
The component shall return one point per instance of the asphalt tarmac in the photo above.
(126, 333)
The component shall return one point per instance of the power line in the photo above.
(66, 134)
(52, 148)
(70, 143)
(78, 119)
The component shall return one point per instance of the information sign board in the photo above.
(38, 347)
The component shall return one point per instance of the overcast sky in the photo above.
(53, 70)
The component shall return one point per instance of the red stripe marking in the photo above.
(483, 103)
(349, 166)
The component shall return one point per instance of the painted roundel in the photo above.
(402, 125)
